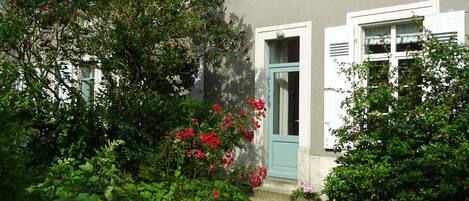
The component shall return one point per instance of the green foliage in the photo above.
(300, 194)
(185, 189)
(148, 53)
(97, 178)
(415, 146)
(15, 126)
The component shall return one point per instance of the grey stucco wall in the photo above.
(236, 81)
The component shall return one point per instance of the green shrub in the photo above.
(97, 178)
(417, 148)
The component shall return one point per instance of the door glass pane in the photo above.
(408, 37)
(285, 50)
(377, 39)
(285, 103)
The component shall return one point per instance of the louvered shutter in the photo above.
(339, 47)
(446, 26)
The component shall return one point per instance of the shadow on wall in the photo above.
(234, 82)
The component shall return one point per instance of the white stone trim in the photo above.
(304, 31)
(394, 12)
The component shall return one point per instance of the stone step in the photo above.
(274, 189)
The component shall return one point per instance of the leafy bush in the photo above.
(97, 178)
(416, 146)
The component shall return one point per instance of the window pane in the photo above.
(286, 103)
(87, 83)
(377, 40)
(378, 72)
(378, 76)
(285, 50)
(408, 37)
(410, 80)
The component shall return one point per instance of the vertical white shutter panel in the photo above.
(98, 79)
(446, 25)
(339, 46)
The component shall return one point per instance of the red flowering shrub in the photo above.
(207, 143)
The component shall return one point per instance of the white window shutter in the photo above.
(339, 49)
(445, 26)
(98, 79)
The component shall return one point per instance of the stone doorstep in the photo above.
(274, 189)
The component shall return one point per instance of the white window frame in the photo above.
(387, 16)
(392, 57)
(392, 14)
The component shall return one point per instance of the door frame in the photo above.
(303, 30)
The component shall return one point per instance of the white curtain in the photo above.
(278, 52)
(408, 33)
(378, 35)
(281, 101)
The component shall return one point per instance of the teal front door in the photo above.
(283, 120)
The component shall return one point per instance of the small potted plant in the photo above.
(303, 192)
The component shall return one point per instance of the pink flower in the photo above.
(217, 108)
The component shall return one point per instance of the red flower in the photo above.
(180, 135)
(199, 153)
(212, 167)
(241, 127)
(211, 140)
(195, 122)
(255, 122)
(258, 105)
(216, 195)
(243, 113)
(249, 136)
(228, 160)
(188, 154)
(240, 175)
(228, 120)
(228, 124)
(256, 178)
(217, 108)
(187, 134)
